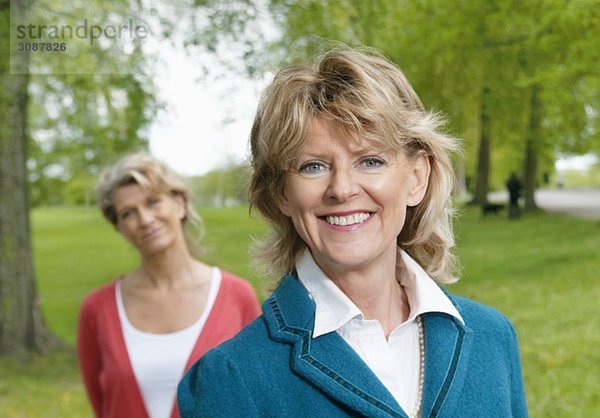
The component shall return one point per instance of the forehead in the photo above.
(327, 135)
(130, 194)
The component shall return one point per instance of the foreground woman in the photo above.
(138, 334)
(355, 179)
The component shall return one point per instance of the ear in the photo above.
(284, 205)
(181, 206)
(420, 179)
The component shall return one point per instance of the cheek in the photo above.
(393, 196)
(307, 230)
(301, 214)
(125, 232)
(302, 222)
(177, 214)
(298, 198)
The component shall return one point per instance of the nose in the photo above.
(145, 216)
(342, 185)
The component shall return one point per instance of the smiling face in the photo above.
(151, 222)
(348, 199)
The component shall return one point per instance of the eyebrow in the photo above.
(356, 153)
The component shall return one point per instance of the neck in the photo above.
(167, 269)
(376, 292)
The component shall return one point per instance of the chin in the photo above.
(154, 248)
(347, 260)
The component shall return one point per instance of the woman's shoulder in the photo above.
(99, 306)
(246, 348)
(237, 297)
(478, 316)
(232, 278)
(233, 283)
(100, 295)
(217, 384)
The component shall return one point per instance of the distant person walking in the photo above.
(514, 192)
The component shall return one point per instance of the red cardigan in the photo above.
(107, 373)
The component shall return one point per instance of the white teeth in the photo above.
(355, 218)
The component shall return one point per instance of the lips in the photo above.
(151, 234)
(346, 220)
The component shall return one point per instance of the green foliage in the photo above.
(219, 24)
(541, 271)
(78, 140)
(229, 236)
(80, 191)
(453, 50)
(226, 186)
(87, 105)
(582, 178)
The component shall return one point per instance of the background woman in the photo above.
(355, 178)
(138, 334)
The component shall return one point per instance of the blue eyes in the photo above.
(317, 167)
(372, 162)
(312, 167)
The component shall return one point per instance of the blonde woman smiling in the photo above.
(355, 178)
(140, 333)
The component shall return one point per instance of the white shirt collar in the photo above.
(334, 309)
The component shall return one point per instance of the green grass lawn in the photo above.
(542, 271)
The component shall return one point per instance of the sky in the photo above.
(576, 162)
(208, 118)
(207, 121)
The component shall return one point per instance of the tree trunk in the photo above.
(22, 329)
(531, 150)
(483, 158)
(461, 182)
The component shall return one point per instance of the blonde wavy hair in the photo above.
(367, 95)
(155, 177)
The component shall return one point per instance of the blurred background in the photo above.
(517, 80)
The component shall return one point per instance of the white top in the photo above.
(158, 360)
(394, 361)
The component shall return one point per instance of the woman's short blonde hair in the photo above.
(369, 97)
(155, 177)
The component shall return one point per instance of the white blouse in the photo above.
(158, 360)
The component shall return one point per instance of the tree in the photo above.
(85, 119)
(556, 55)
(483, 156)
(22, 328)
(466, 59)
(224, 186)
(90, 105)
(436, 61)
(95, 118)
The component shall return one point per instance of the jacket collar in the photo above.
(334, 309)
(332, 365)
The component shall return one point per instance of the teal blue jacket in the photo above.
(274, 368)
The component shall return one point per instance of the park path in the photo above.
(580, 203)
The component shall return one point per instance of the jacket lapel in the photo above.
(330, 364)
(326, 362)
(447, 348)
